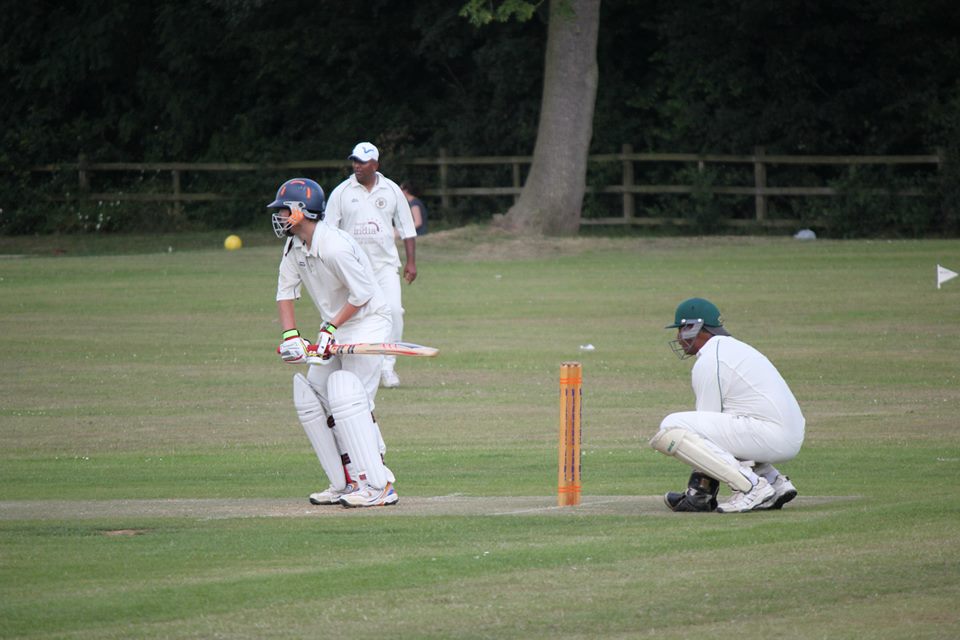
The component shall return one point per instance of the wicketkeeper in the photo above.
(746, 419)
(335, 400)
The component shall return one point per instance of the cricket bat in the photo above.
(377, 349)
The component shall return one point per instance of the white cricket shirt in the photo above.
(334, 270)
(732, 377)
(370, 217)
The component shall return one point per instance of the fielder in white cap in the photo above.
(369, 206)
(746, 419)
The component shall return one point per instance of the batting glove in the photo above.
(293, 349)
(320, 353)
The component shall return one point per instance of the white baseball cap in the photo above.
(365, 152)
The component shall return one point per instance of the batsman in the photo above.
(746, 419)
(335, 399)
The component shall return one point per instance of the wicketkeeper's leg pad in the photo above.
(355, 428)
(691, 449)
(314, 421)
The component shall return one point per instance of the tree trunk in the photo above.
(552, 197)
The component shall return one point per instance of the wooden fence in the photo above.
(628, 188)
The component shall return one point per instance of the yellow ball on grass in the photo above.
(232, 243)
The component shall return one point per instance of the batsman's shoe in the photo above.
(759, 497)
(370, 497)
(389, 379)
(785, 492)
(332, 495)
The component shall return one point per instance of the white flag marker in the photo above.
(944, 274)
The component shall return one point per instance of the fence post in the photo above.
(941, 185)
(629, 204)
(177, 204)
(516, 181)
(83, 177)
(444, 196)
(760, 182)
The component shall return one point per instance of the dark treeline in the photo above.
(260, 80)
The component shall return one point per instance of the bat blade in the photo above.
(376, 349)
(386, 349)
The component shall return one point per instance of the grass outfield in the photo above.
(153, 476)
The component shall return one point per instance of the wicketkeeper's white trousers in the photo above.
(737, 438)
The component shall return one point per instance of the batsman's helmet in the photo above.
(303, 197)
(692, 316)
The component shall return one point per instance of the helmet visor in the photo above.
(687, 333)
(287, 218)
(689, 329)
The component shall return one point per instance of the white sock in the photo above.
(751, 476)
(767, 470)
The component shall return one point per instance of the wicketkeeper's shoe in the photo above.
(785, 492)
(701, 495)
(371, 497)
(332, 495)
(389, 379)
(676, 501)
(673, 499)
(759, 497)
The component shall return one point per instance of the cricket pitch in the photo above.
(448, 505)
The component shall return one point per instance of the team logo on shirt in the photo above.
(365, 229)
(380, 203)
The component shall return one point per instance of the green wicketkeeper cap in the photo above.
(693, 310)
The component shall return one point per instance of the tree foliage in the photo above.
(229, 80)
(252, 80)
(797, 76)
(481, 12)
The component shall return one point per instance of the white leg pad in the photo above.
(691, 449)
(381, 445)
(382, 448)
(314, 421)
(355, 428)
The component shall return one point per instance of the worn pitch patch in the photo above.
(111, 533)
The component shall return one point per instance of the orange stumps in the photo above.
(568, 475)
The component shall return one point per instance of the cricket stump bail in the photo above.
(568, 475)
